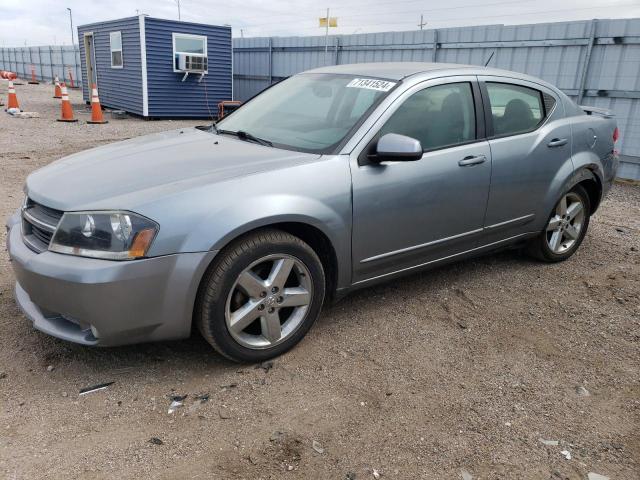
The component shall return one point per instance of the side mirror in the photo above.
(399, 148)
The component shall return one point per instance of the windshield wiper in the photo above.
(241, 134)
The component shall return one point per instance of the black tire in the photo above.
(539, 248)
(221, 276)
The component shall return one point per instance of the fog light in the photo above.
(94, 331)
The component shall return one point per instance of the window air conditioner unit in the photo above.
(192, 63)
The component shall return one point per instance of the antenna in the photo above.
(490, 57)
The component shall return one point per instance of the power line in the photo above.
(452, 19)
(368, 4)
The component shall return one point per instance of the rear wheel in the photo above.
(566, 228)
(261, 296)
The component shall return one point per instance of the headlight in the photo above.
(106, 235)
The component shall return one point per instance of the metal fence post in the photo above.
(335, 60)
(78, 78)
(434, 52)
(270, 60)
(587, 58)
(31, 59)
(51, 63)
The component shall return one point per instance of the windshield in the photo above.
(308, 112)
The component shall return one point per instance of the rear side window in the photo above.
(440, 116)
(514, 108)
(115, 45)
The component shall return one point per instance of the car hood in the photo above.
(152, 165)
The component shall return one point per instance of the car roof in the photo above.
(400, 70)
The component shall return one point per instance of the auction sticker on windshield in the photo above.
(371, 84)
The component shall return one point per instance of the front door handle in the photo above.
(472, 160)
(557, 142)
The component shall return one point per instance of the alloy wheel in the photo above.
(268, 301)
(564, 228)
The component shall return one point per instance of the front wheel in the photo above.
(566, 228)
(261, 296)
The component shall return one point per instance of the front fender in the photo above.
(208, 218)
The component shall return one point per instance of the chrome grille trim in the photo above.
(37, 222)
(38, 225)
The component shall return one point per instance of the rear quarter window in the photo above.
(516, 109)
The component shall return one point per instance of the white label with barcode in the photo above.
(371, 84)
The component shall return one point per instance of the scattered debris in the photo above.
(317, 447)
(289, 467)
(95, 388)
(229, 385)
(224, 413)
(376, 474)
(203, 397)
(65, 394)
(156, 441)
(596, 476)
(566, 454)
(277, 436)
(3, 375)
(549, 443)
(118, 114)
(175, 404)
(266, 366)
(465, 475)
(25, 114)
(633, 249)
(621, 230)
(178, 398)
(507, 424)
(50, 368)
(582, 392)
(350, 476)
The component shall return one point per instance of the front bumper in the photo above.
(101, 302)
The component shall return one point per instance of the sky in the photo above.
(46, 22)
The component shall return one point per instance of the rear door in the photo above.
(530, 141)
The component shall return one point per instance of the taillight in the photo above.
(616, 135)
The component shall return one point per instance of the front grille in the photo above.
(38, 225)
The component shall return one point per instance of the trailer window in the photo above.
(115, 45)
(193, 45)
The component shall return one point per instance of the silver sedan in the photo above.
(332, 180)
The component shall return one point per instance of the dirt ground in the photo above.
(454, 373)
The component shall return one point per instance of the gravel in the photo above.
(460, 369)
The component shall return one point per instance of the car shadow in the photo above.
(195, 354)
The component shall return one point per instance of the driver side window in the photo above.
(440, 116)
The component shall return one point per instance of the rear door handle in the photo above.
(557, 142)
(472, 160)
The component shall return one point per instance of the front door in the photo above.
(90, 62)
(408, 213)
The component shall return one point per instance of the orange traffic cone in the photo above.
(33, 80)
(66, 111)
(96, 109)
(57, 92)
(13, 98)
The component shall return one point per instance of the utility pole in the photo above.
(326, 36)
(71, 22)
(241, 33)
(422, 22)
(178, 3)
